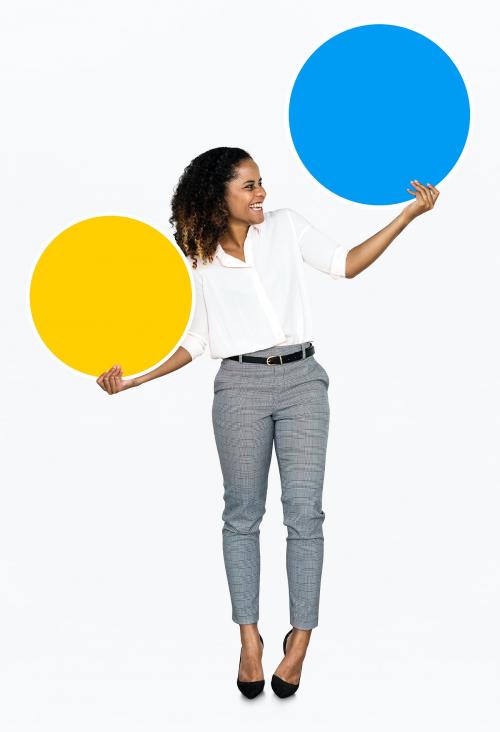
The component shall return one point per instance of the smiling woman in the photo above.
(251, 310)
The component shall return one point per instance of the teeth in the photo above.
(256, 205)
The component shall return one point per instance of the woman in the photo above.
(252, 311)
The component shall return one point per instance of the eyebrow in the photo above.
(251, 181)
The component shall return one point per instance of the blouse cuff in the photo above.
(338, 265)
(194, 345)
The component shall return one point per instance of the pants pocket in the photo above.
(323, 373)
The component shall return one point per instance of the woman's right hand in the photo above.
(112, 381)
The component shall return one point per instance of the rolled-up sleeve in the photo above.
(319, 250)
(196, 339)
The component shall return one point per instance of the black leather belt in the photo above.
(270, 360)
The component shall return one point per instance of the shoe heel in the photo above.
(281, 687)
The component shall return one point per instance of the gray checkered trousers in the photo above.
(255, 405)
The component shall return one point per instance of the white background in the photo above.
(114, 601)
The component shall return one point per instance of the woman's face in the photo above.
(244, 193)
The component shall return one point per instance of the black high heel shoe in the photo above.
(281, 687)
(250, 688)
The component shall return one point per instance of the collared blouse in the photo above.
(244, 306)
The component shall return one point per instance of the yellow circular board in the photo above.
(109, 290)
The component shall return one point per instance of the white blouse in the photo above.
(242, 307)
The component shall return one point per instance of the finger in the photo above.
(118, 378)
(418, 185)
(418, 193)
(101, 382)
(107, 385)
(433, 190)
(425, 194)
(108, 373)
(429, 192)
(114, 380)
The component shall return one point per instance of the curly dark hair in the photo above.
(199, 210)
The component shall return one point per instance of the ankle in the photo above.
(249, 634)
(298, 642)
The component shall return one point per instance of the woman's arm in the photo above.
(181, 357)
(112, 380)
(362, 255)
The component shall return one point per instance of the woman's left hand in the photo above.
(425, 199)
